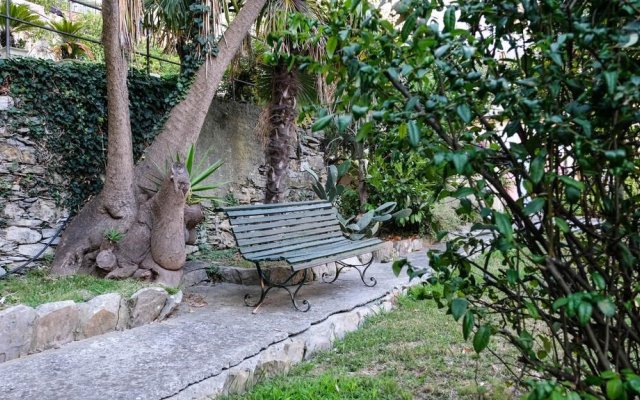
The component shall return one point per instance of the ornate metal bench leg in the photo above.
(265, 280)
(361, 268)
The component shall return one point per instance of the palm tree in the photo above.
(286, 87)
(117, 205)
(70, 48)
(20, 12)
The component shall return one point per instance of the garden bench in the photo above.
(304, 234)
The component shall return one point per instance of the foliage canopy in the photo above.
(529, 112)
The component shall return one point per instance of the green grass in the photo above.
(37, 288)
(413, 352)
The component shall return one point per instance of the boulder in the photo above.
(99, 315)
(56, 325)
(145, 305)
(16, 331)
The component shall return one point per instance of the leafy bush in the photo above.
(546, 93)
(64, 107)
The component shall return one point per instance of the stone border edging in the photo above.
(25, 330)
(280, 356)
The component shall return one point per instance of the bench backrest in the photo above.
(261, 228)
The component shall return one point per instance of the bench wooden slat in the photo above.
(265, 239)
(266, 234)
(237, 221)
(289, 242)
(284, 250)
(283, 223)
(275, 205)
(323, 251)
(278, 210)
(335, 257)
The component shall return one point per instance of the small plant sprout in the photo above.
(113, 235)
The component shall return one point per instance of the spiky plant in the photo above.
(23, 18)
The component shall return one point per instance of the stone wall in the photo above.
(29, 217)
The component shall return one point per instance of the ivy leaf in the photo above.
(467, 324)
(534, 206)
(331, 45)
(481, 338)
(464, 112)
(556, 58)
(414, 133)
(458, 307)
(321, 123)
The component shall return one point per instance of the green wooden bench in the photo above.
(304, 234)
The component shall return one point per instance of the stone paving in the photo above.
(215, 345)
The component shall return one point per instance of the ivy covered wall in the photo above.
(62, 107)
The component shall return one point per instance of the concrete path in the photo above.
(170, 359)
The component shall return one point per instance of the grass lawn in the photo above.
(413, 352)
(37, 288)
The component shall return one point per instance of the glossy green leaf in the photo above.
(615, 389)
(331, 45)
(534, 206)
(481, 338)
(467, 324)
(414, 133)
(458, 307)
(464, 112)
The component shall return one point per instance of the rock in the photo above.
(170, 305)
(385, 253)
(56, 325)
(279, 358)
(6, 102)
(48, 233)
(12, 211)
(145, 305)
(239, 379)
(191, 249)
(16, 331)
(44, 210)
(31, 250)
(32, 223)
(99, 315)
(9, 153)
(2, 272)
(22, 235)
(123, 315)
(194, 277)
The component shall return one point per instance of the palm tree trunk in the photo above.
(282, 115)
(187, 118)
(111, 208)
(118, 192)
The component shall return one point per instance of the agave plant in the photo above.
(20, 12)
(366, 225)
(198, 173)
(70, 48)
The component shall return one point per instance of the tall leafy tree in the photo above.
(530, 111)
